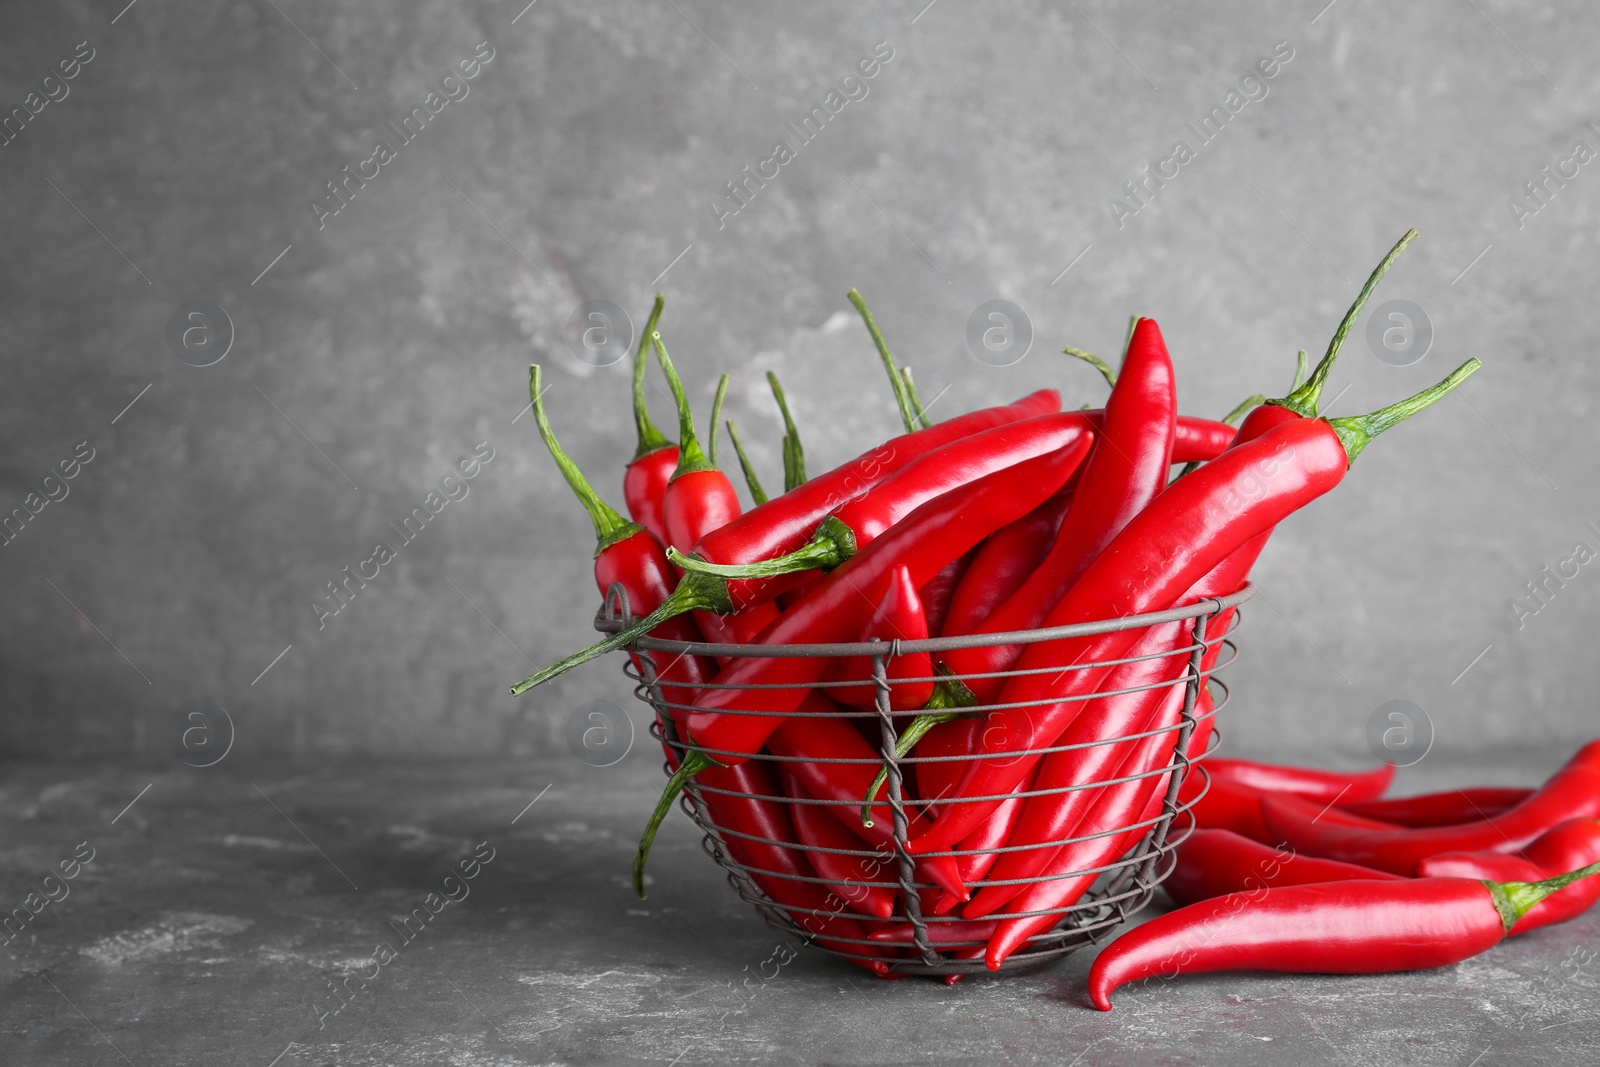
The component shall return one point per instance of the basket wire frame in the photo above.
(1121, 888)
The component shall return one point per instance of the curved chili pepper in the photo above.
(1047, 819)
(1124, 472)
(831, 846)
(1197, 523)
(1067, 782)
(1122, 813)
(744, 805)
(1496, 866)
(1361, 927)
(1572, 792)
(629, 555)
(939, 591)
(722, 723)
(1003, 563)
(644, 482)
(854, 525)
(1211, 863)
(818, 748)
(1443, 808)
(1331, 787)
(787, 522)
(898, 617)
(1565, 847)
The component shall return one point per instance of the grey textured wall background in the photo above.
(374, 352)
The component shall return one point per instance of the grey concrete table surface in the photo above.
(221, 905)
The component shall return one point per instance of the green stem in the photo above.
(693, 763)
(1096, 362)
(1357, 432)
(1303, 400)
(832, 544)
(1302, 367)
(1245, 405)
(916, 401)
(949, 695)
(651, 439)
(758, 494)
(907, 415)
(691, 457)
(695, 592)
(716, 416)
(794, 455)
(609, 526)
(1516, 899)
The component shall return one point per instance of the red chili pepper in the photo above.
(1211, 863)
(1196, 524)
(644, 482)
(1568, 846)
(1495, 866)
(1443, 808)
(744, 805)
(1565, 847)
(898, 616)
(628, 554)
(1330, 787)
(839, 855)
(853, 526)
(1362, 927)
(1124, 472)
(838, 606)
(785, 523)
(1573, 792)
(817, 747)
(1121, 816)
(939, 591)
(1003, 563)
(1065, 783)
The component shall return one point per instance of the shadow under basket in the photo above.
(1119, 888)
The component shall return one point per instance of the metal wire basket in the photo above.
(1120, 888)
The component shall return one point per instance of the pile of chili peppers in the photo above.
(1029, 763)
(1299, 870)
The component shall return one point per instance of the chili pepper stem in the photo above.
(1303, 400)
(1096, 362)
(716, 416)
(651, 439)
(609, 526)
(1516, 899)
(900, 398)
(949, 695)
(758, 494)
(1302, 367)
(794, 456)
(694, 593)
(1356, 433)
(915, 732)
(693, 763)
(691, 457)
(916, 401)
(832, 544)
